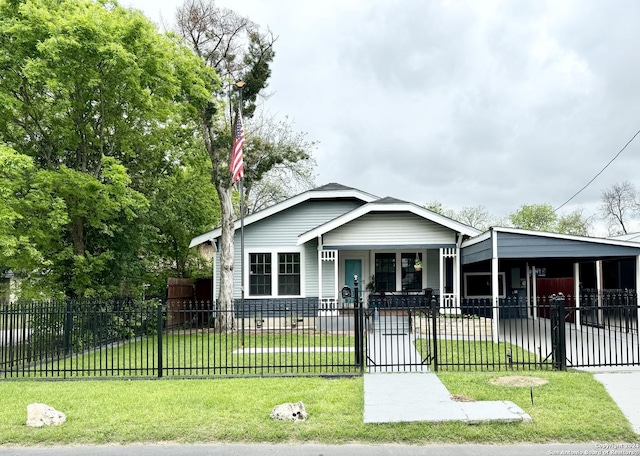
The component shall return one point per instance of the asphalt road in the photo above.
(608, 449)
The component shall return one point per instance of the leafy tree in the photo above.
(92, 92)
(237, 50)
(542, 217)
(174, 220)
(539, 217)
(620, 203)
(29, 215)
(574, 223)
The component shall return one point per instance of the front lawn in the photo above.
(571, 407)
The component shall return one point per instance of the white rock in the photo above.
(39, 415)
(289, 412)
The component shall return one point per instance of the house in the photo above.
(309, 247)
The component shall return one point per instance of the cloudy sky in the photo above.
(492, 103)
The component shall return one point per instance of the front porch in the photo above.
(385, 278)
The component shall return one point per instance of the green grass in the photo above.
(572, 407)
(204, 354)
(470, 355)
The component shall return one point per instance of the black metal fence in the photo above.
(552, 332)
(189, 339)
(129, 339)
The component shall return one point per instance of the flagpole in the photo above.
(240, 85)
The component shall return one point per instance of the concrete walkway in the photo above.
(400, 388)
(624, 389)
(403, 397)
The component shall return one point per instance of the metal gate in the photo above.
(411, 334)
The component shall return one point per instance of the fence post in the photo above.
(358, 323)
(160, 329)
(433, 303)
(68, 326)
(559, 342)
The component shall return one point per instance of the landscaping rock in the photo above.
(39, 415)
(289, 412)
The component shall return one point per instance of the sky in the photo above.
(470, 103)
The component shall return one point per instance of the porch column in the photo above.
(329, 304)
(599, 290)
(576, 292)
(320, 261)
(495, 291)
(638, 286)
(449, 302)
(441, 267)
(529, 300)
(534, 281)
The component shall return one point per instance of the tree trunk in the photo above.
(77, 235)
(226, 319)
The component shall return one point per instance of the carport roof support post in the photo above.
(495, 290)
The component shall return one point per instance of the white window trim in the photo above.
(503, 288)
(274, 272)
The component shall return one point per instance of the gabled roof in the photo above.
(328, 191)
(387, 205)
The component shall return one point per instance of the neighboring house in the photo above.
(312, 245)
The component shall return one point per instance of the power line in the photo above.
(601, 171)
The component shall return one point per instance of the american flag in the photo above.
(237, 164)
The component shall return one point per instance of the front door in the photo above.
(351, 268)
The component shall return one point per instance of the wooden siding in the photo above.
(281, 231)
(390, 229)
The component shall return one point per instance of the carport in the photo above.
(514, 262)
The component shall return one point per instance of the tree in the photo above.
(29, 215)
(90, 90)
(184, 202)
(542, 217)
(237, 50)
(539, 217)
(574, 223)
(280, 165)
(477, 216)
(620, 203)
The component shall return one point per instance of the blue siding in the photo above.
(281, 231)
(475, 253)
(513, 245)
(523, 246)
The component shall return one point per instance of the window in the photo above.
(385, 273)
(478, 285)
(289, 274)
(411, 276)
(260, 274)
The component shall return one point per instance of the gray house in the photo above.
(309, 247)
